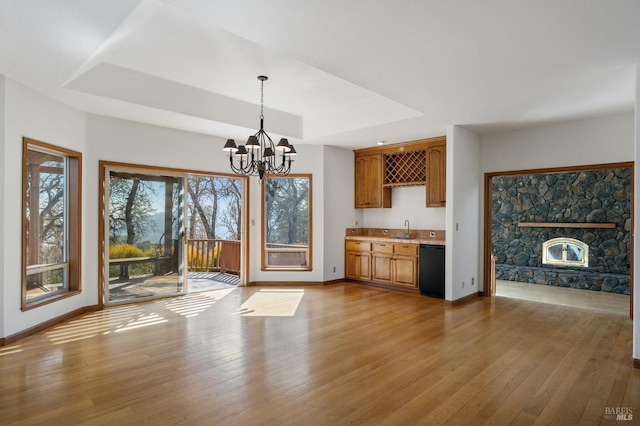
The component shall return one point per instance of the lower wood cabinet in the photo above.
(389, 263)
(358, 260)
(405, 271)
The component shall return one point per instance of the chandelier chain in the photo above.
(261, 99)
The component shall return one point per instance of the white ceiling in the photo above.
(344, 73)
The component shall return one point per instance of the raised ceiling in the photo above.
(343, 73)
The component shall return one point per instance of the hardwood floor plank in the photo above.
(348, 354)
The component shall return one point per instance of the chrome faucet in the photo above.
(406, 223)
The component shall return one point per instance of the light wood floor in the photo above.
(341, 354)
(577, 298)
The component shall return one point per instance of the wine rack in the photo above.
(405, 168)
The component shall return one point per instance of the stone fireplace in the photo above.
(570, 229)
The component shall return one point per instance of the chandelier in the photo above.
(260, 156)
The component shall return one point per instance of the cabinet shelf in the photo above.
(392, 185)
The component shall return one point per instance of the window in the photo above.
(286, 215)
(51, 223)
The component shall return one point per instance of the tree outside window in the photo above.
(51, 223)
(287, 223)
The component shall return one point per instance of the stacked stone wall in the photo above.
(590, 196)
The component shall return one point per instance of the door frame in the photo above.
(104, 165)
(487, 249)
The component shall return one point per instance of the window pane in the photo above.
(287, 222)
(45, 223)
(46, 283)
(45, 208)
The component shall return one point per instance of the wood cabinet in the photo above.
(436, 175)
(405, 265)
(379, 169)
(394, 264)
(369, 176)
(382, 263)
(358, 260)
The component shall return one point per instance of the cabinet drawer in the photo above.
(358, 246)
(383, 248)
(406, 249)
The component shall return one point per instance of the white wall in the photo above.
(408, 203)
(338, 211)
(462, 264)
(29, 113)
(596, 141)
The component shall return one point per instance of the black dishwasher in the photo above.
(431, 270)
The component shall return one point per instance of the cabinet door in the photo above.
(361, 182)
(436, 176)
(405, 271)
(374, 181)
(352, 265)
(382, 266)
(365, 266)
(369, 177)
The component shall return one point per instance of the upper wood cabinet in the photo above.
(436, 175)
(379, 169)
(369, 176)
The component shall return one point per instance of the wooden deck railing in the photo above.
(290, 255)
(213, 256)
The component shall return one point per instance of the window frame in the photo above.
(264, 260)
(72, 224)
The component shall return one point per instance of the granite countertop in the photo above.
(396, 240)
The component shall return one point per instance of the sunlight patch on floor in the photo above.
(10, 350)
(192, 305)
(142, 321)
(272, 303)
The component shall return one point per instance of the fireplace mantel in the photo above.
(565, 225)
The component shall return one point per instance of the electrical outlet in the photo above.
(462, 284)
(432, 234)
(473, 280)
(334, 269)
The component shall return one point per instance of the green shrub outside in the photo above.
(125, 251)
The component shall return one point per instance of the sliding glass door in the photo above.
(143, 235)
